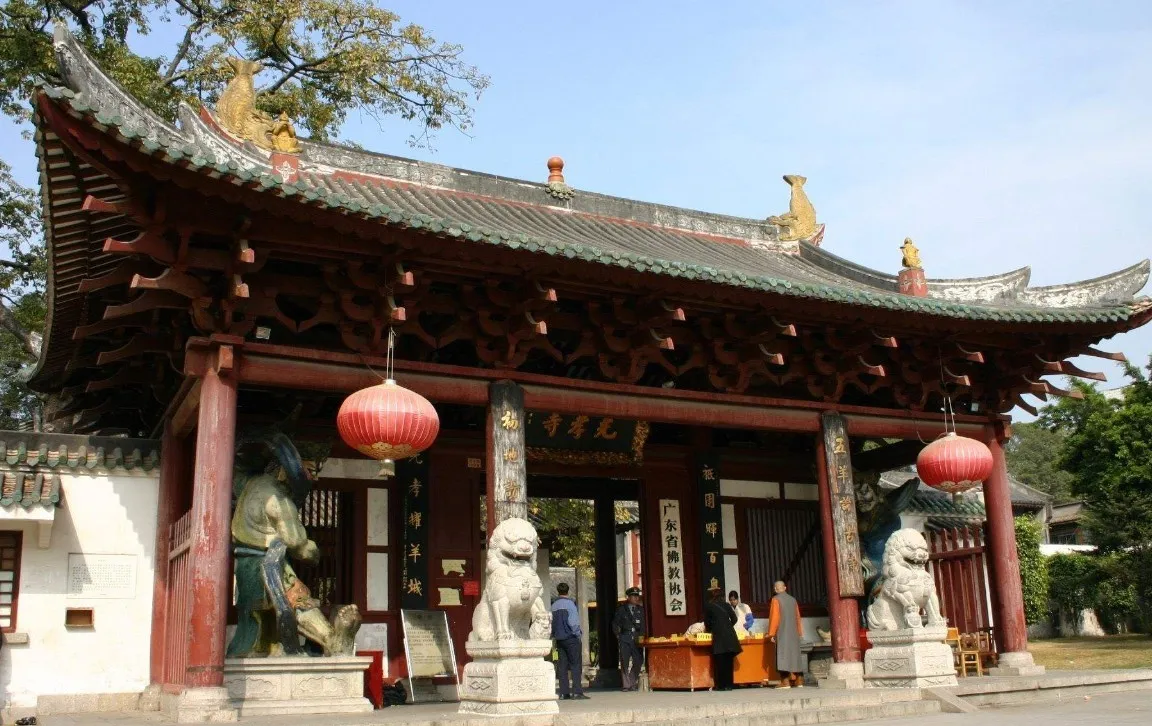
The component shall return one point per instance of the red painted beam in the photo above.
(285, 367)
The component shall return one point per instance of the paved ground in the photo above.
(1111, 709)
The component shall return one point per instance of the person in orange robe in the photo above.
(786, 630)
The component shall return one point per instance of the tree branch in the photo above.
(26, 269)
(28, 341)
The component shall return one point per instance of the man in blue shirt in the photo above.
(566, 632)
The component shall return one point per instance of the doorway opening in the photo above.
(590, 530)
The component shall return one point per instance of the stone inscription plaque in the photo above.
(427, 644)
(101, 576)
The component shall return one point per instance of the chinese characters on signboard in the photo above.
(412, 480)
(842, 496)
(584, 439)
(711, 527)
(672, 552)
(507, 455)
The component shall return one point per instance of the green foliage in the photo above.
(1071, 582)
(567, 527)
(1110, 584)
(1033, 569)
(1110, 456)
(1033, 455)
(23, 271)
(325, 57)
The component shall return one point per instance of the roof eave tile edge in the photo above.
(323, 199)
(78, 455)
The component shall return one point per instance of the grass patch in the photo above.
(1113, 651)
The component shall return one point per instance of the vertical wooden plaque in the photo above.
(710, 521)
(838, 460)
(412, 477)
(507, 473)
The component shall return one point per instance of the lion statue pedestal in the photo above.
(511, 631)
(905, 627)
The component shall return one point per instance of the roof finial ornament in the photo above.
(911, 258)
(237, 112)
(556, 187)
(799, 222)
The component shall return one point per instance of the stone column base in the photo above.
(909, 658)
(1016, 664)
(509, 678)
(297, 685)
(199, 705)
(842, 676)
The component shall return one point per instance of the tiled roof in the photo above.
(932, 503)
(33, 463)
(654, 239)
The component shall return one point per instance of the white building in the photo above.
(77, 544)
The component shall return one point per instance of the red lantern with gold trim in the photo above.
(387, 422)
(954, 463)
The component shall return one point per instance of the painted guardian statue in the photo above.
(275, 607)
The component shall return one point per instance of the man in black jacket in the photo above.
(629, 627)
(720, 621)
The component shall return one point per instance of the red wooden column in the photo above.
(211, 512)
(171, 472)
(1004, 562)
(844, 612)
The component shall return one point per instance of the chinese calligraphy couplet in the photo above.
(412, 477)
(506, 455)
(672, 553)
(711, 522)
(842, 493)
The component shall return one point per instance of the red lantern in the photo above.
(954, 463)
(387, 422)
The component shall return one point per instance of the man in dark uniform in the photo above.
(629, 627)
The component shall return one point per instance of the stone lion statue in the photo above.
(511, 607)
(906, 588)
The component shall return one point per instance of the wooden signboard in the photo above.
(507, 469)
(577, 439)
(711, 534)
(842, 495)
(412, 476)
(428, 646)
(672, 551)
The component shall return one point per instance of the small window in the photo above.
(9, 579)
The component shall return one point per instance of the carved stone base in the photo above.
(509, 678)
(909, 658)
(843, 676)
(1016, 664)
(199, 705)
(296, 685)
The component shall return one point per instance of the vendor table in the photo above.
(685, 663)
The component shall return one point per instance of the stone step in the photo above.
(824, 714)
(1050, 688)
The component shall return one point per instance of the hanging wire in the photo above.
(390, 357)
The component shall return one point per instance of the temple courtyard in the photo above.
(1070, 697)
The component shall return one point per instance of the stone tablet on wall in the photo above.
(101, 576)
(427, 644)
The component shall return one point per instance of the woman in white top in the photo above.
(744, 616)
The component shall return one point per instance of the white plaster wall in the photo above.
(100, 515)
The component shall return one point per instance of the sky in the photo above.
(996, 134)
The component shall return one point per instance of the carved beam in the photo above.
(1069, 369)
(99, 206)
(145, 320)
(140, 344)
(123, 274)
(1096, 353)
(175, 281)
(148, 300)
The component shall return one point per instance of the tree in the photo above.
(1110, 456)
(22, 278)
(1033, 455)
(324, 57)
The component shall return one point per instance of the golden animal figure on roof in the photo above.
(911, 254)
(238, 114)
(799, 222)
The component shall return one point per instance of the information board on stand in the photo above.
(428, 651)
